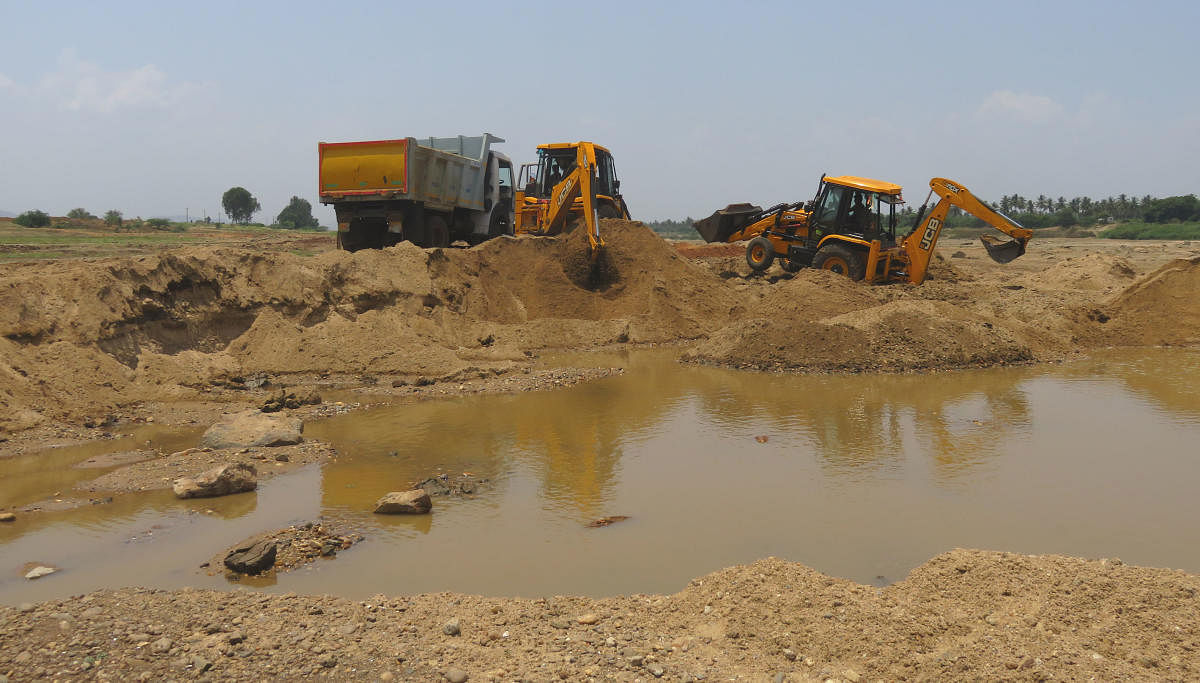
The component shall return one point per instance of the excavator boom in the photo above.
(918, 245)
(579, 183)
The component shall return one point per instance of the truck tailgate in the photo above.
(359, 168)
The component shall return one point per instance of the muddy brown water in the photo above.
(863, 477)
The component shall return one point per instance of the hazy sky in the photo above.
(159, 107)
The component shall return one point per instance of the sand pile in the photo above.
(893, 337)
(85, 336)
(1096, 272)
(1162, 308)
(964, 615)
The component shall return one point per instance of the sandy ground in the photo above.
(180, 337)
(964, 615)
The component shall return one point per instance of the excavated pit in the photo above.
(79, 338)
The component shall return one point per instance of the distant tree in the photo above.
(113, 218)
(239, 204)
(1066, 218)
(1185, 208)
(158, 223)
(80, 214)
(297, 215)
(33, 219)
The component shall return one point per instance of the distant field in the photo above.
(1154, 231)
(19, 243)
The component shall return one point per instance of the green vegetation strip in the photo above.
(1154, 231)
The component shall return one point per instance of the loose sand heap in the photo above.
(77, 339)
(82, 338)
(964, 615)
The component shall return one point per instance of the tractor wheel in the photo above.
(841, 259)
(760, 253)
(436, 232)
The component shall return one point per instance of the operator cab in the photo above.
(556, 162)
(861, 208)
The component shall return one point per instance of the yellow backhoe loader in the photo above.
(850, 228)
(571, 181)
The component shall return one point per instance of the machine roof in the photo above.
(868, 184)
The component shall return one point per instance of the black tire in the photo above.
(363, 234)
(790, 266)
(500, 222)
(841, 259)
(437, 233)
(760, 254)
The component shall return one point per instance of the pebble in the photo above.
(161, 646)
(790, 655)
(39, 572)
(456, 675)
(656, 671)
(26, 607)
(201, 664)
(589, 619)
(560, 623)
(452, 628)
(7, 517)
(387, 676)
(236, 637)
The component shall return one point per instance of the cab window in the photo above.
(827, 211)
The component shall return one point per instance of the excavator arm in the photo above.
(580, 182)
(918, 245)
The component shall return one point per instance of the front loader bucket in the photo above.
(724, 223)
(1001, 251)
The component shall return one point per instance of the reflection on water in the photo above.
(859, 476)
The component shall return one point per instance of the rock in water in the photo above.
(39, 572)
(253, 557)
(219, 481)
(253, 428)
(414, 502)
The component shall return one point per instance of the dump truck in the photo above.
(850, 228)
(429, 191)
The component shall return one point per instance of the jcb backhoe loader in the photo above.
(571, 181)
(850, 228)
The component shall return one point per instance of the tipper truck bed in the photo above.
(430, 191)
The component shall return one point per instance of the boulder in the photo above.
(252, 557)
(39, 572)
(253, 428)
(414, 502)
(219, 481)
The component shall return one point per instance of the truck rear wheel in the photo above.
(437, 233)
(760, 253)
(840, 259)
(500, 222)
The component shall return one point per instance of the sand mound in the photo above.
(893, 337)
(1162, 308)
(1097, 272)
(813, 295)
(80, 336)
